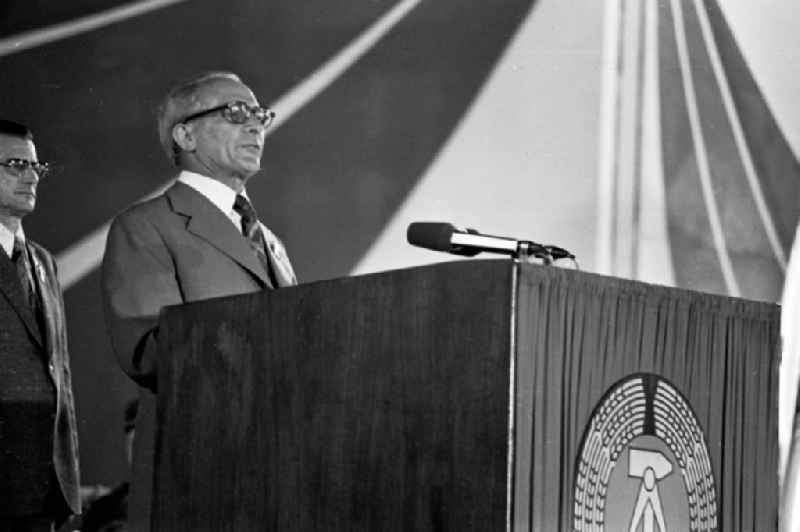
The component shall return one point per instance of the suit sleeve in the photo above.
(65, 450)
(138, 280)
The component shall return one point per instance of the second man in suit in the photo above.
(202, 237)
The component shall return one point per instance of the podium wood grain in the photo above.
(377, 403)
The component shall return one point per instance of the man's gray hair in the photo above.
(181, 102)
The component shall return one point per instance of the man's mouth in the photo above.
(253, 148)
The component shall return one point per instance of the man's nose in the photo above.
(255, 127)
(29, 175)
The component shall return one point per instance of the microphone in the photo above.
(440, 236)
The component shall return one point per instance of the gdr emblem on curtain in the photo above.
(644, 463)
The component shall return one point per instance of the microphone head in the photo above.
(430, 235)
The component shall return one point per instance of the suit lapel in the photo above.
(209, 223)
(46, 296)
(278, 259)
(11, 289)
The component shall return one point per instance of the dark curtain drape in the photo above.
(580, 337)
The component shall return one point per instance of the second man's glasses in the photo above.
(238, 113)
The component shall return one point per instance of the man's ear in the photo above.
(184, 137)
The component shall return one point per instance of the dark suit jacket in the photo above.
(20, 336)
(175, 248)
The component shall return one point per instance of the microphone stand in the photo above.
(528, 251)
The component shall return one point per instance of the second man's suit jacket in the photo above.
(46, 348)
(175, 248)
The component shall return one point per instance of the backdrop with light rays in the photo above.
(632, 133)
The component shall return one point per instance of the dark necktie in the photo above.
(21, 260)
(252, 232)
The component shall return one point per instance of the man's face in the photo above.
(223, 148)
(17, 187)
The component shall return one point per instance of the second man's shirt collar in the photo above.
(217, 193)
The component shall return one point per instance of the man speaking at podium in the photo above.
(200, 239)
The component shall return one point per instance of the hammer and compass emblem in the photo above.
(650, 466)
(644, 464)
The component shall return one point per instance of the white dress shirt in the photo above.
(7, 238)
(217, 193)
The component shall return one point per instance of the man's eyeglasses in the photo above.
(238, 113)
(20, 166)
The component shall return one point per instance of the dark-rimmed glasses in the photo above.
(238, 113)
(20, 166)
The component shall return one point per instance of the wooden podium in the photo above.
(473, 395)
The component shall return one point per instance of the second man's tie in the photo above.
(251, 229)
